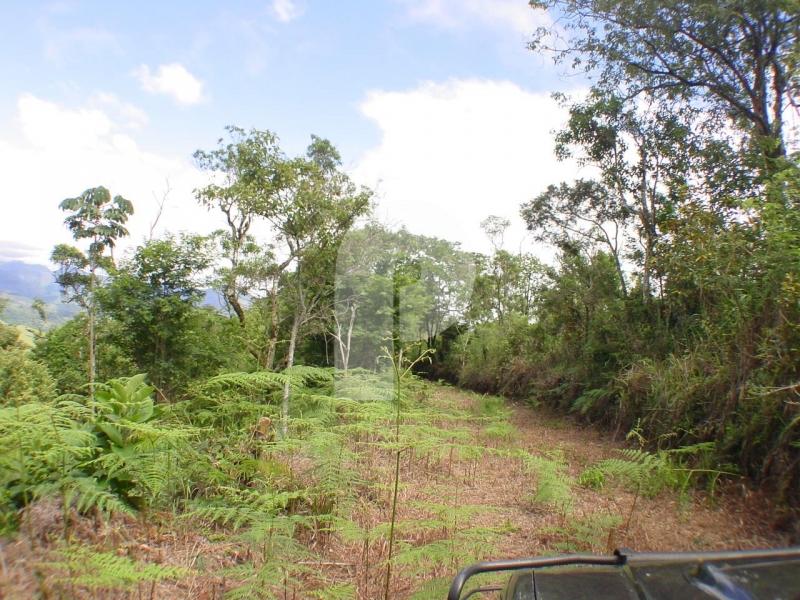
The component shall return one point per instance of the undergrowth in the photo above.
(75, 569)
(288, 508)
(650, 473)
(215, 464)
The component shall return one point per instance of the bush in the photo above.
(115, 453)
(22, 379)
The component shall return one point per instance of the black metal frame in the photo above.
(527, 563)
(620, 557)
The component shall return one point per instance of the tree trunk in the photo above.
(344, 342)
(396, 314)
(235, 305)
(620, 274)
(273, 327)
(289, 363)
(92, 359)
(648, 242)
(340, 342)
(346, 357)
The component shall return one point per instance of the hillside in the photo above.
(20, 284)
(28, 280)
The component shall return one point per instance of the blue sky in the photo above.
(435, 103)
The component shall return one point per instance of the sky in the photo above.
(436, 105)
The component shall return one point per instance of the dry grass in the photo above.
(736, 518)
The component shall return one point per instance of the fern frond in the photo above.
(94, 570)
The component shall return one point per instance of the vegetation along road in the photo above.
(310, 516)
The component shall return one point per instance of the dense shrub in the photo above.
(22, 379)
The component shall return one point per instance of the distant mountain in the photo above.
(28, 281)
(18, 311)
(213, 299)
(20, 283)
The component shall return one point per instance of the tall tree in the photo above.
(353, 297)
(650, 155)
(733, 57)
(584, 211)
(153, 297)
(97, 217)
(248, 173)
(310, 216)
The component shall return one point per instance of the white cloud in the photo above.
(173, 80)
(514, 15)
(286, 10)
(453, 153)
(46, 126)
(132, 116)
(57, 152)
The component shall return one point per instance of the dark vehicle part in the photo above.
(628, 575)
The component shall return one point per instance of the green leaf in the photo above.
(124, 452)
(112, 432)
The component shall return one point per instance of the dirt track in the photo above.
(736, 517)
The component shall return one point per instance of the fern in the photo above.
(642, 471)
(490, 406)
(87, 568)
(88, 493)
(499, 431)
(44, 451)
(587, 401)
(588, 533)
(553, 483)
(281, 503)
(335, 480)
(336, 591)
(242, 507)
(651, 472)
(433, 588)
(281, 558)
(258, 382)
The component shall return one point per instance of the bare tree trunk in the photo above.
(92, 359)
(621, 275)
(648, 235)
(273, 327)
(339, 341)
(160, 203)
(344, 341)
(289, 363)
(346, 358)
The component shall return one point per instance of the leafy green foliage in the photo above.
(154, 297)
(112, 454)
(98, 572)
(589, 533)
(553, 482)
(706, 53)
(63, 351)
(650, 473)
(22, 379)
(138, 456)
(45, 451)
